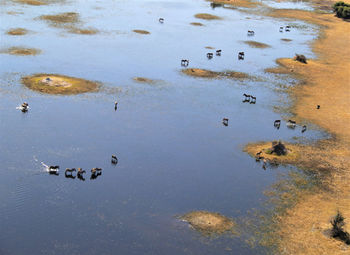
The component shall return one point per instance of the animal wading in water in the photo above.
(225, 122)
(185, 62)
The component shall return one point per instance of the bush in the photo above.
(342, 10)
(337, 228)
(300, 58)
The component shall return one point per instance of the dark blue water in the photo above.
(174, 154)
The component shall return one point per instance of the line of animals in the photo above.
(241, 54)
(68, 173)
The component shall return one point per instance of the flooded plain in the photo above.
(174, 153)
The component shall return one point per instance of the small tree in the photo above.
(337, 228)
(342, 10)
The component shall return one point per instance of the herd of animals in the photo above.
(95, 172)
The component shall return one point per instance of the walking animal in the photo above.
(291, 124)
(161, 20)
(225, 122)
(114, 160)
(185, 62)
(277, 124)
(218, 53)
(251, 32)
(210, 55)
(241, 55)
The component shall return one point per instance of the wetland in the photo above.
(184, 177)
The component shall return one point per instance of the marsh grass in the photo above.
(255, 44)
(20, 51)
(203, 73)
(61, 18)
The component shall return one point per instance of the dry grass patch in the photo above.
(31, 2)
(59, 84)
(255, 44)
(143, 32)
(202, 73)
(209, 223)
(286, 40)
(17, 31)
(206, 16)
(19, 51)
(209, 47)
(196, 24)
(237, 3)
(61, 18)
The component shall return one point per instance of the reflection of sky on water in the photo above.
(174, 154)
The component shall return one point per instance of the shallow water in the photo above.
(174, 154)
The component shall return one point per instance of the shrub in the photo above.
(300, 58)
(337, 228)
(342, 10)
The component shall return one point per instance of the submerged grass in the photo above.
(20, 51)
(17, 31)
(61, 18)
(203, 73)
(255, 44)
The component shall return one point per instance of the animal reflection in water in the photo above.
(114, 160)
(95, 172)
(69, 173)
(185, 62)
(80, 174)
(225, 122)
(249, 99)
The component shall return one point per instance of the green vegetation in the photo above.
(342, 10)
